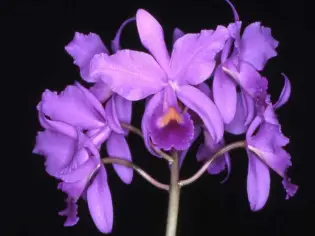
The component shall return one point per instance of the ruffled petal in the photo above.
(254, 35)
(152, 37)
(117, 146)
(82, 48)
(75, 106)
(58, 150)
(115, 44)
(177, 135)
(70, 212)
(177, 33)
(258, 182)
(224, 94)
(100, 202)
(197, 131)
(133, 75)
(285, 93)
(193, 56)
(197, 101)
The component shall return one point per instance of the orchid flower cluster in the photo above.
(209, 84)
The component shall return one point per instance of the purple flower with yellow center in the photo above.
(136, 75)
(241, 59)
(265, 151)
(76, 125)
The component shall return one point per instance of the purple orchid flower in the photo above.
(268, 144)
(84, 47)
(239, 65)
(137, 75)
(73, 157)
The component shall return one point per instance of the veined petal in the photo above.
(193, 56)
(100, 202)
(151, 106)
(117, 146)
(75, 106)
(258, 182)
(57, 148)
(82, 48)
(285, 93)
(101, 91)
(115, 44)
(177, 33)
(111, 115)
(254, 35)
(133, 75)
(224, 94)
(152, 37)
(197, 101)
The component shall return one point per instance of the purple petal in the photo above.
(70, 212)
(151, 106)
(254, 35)
(117, 146)
(111, 115)
(82, 48)
(57, 148)
(56, 126)
(205, 108)
(177, 33)
(238, 124)
(152, 37)
(269, 142)
(99, 136)
(236, 17)
(208, 149)
(100, 202)
(123, 109)
(75, 106)
(197, 131)
(133, 75)
(177, 135)
(224, 94)
(115, 44)
(193, 56)
(101, 91)
(258, 182)
(226, 50)
(203, 87)
(285, 93)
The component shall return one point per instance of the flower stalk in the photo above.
(174, 195)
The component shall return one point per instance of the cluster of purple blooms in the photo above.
(210, 83)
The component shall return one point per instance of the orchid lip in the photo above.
(169, 116)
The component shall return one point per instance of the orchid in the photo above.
(188, 92)
(136, 75)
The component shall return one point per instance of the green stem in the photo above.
(173, 203)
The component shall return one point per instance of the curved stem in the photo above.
(145, 175)
(239, 144)
(137, 131)
(173, 202)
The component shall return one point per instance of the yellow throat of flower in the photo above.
(170, 115)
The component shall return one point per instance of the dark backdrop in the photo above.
(33, 36)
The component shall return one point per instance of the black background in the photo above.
(33, 36)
